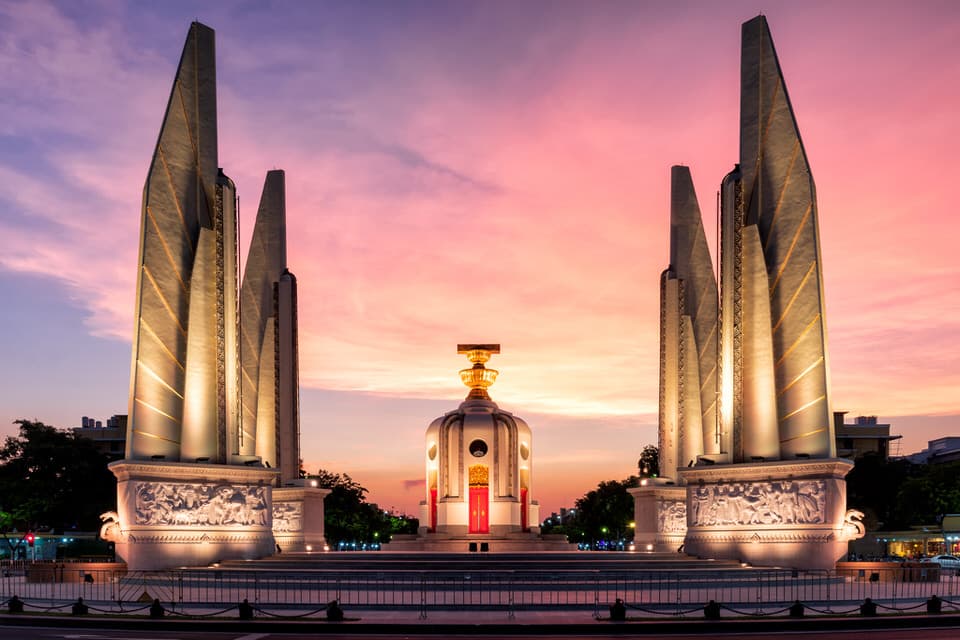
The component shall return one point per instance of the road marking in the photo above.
(253, 636)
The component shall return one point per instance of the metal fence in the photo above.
(48, 586)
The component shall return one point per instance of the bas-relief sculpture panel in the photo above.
(672, 517)
(168, 503)
(287, 517)
(747, 503)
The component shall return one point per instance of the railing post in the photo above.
(423, 597)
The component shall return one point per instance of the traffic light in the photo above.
(31, 539)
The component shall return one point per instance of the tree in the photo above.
(52, 479)
(603, 513)
(349, 518)
(649, 463)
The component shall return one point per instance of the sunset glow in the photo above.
(489, 172)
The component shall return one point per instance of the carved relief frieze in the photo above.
(672, 516)
(287, 517)
(753, 503)
(177, 503)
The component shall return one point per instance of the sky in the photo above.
(479, 172)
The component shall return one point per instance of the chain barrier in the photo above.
(660, 594)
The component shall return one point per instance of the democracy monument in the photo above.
(747, 446)
(747, 455)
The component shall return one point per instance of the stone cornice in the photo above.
(662, 492)
(191, 472)
(286, 494)
(765, 471)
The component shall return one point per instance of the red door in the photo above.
(523, 509)
(433, 510)
(479, 510)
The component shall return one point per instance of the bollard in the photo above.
(15, 605)
(934, 604)
(245, 610)
(334, 612)
(796, 609)
(868, 608)
(618, 611)
(156, 609)
(712, 610)
(79, 609)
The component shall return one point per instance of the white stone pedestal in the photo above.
(659, 514)
(784, 513)
(298, 517)
(172, 514)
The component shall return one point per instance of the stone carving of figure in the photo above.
(810, 501)
(700, 498)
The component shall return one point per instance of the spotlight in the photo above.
(158, 456)
(203, 459)
(802, 456)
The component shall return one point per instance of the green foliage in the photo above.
(649, 463)
(348, 517)
(895, 494)
(604, 513)
(53, 479)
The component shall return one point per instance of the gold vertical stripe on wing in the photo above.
(153, 374)
(183, 108)
(703, 299)
(709, 408)
(803, 408)
(783, 189)
(813, 366)
(166, 250)
(248, 378)
(157, 411)
(793, 244)
(176, 200)
(793, 346)
(707, 343)
(793, 298)
(141, 432)
(710, 376)
(804, 435)
(769, 122)
(166, 305)
(153, 334)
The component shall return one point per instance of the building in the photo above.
(864, 436)
(110, 439)
(938, 451)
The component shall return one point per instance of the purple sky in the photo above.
(487, 171)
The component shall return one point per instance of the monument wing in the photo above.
(177, 201)
(781, 200)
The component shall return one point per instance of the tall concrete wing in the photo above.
(691, 258)
(688, 335)
(178, 201)
(288, 378)
(779, 196)
(262, 338)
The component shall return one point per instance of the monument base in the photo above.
(782, 513)
(514, 542)
(298, 518)
(659, 515)
(172, 514)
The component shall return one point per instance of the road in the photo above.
(49, 633)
